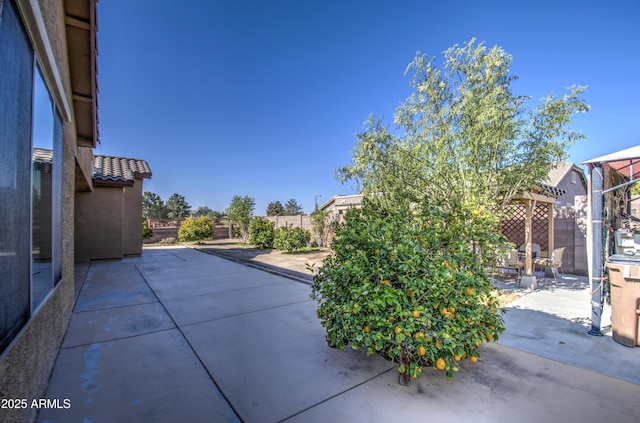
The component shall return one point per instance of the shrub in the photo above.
(290, 239)
(195, 229)
(407, 284)
(168, 241)
(147, 232)
(261, 232)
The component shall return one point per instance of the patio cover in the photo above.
(623, 163)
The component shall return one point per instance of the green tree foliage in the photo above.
(261, 232)
(406, 278)
(404, 282)
(275, 208)
(240, 212)
(292, 208)
(147, 232)
(202, 211)
(291, 239)
(177, 207)
(152, 206)
(215, 215)
(463, 136)
(195, 229)
(320, 227)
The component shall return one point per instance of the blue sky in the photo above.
(263, 98)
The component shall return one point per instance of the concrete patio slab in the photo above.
(248, 346)
(121, 322)
(275, 363)
(152, 378)
(553, 323)
(506, 385)
(113, 284)
(179, 287)
(218, 305)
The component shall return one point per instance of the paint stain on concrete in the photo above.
(91, 368)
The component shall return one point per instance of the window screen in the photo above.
(16, 68)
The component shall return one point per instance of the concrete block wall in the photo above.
(299, 221)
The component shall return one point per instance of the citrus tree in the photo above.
(406, 283)
(261, 232)
(407, 275)
(290, 239)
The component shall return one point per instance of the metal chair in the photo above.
(554, 262)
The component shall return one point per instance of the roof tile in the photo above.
(119, 170)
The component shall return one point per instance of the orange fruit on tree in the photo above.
(416, 313)
(397, 330)
(470, 292)
(367, 329)
(440, 364)
(422, 350)
(473, 358)
(443, 311)
(457, 357)
(419, 335)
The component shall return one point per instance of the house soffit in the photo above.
(81, 26)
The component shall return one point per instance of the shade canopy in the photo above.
(623, 161)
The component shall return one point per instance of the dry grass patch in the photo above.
(504, 298)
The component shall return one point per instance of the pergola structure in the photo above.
(602, 180)
(530, 200)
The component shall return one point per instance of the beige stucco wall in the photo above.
(132, 220)
(99, 224)
(26, 364)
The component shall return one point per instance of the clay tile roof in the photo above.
(42, 159)
(118, 171)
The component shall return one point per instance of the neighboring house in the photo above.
(48, 130)
(339, 204)
(570, 216)
(108, 220)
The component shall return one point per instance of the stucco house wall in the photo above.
(26, 363)
(132, 220)
(570, 212)
(99, 224)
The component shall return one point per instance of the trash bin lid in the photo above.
(625, 259)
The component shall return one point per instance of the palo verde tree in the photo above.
(406, 277)
(177, 207)
(240, 212)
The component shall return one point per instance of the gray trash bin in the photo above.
(624, 278)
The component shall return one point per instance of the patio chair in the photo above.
(536, 251)
(554, 262)
(511, 261)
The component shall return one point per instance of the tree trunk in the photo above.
(404, 379)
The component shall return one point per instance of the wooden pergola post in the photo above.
(528, 236)
(551, 238)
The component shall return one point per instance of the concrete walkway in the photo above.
(177, 335)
